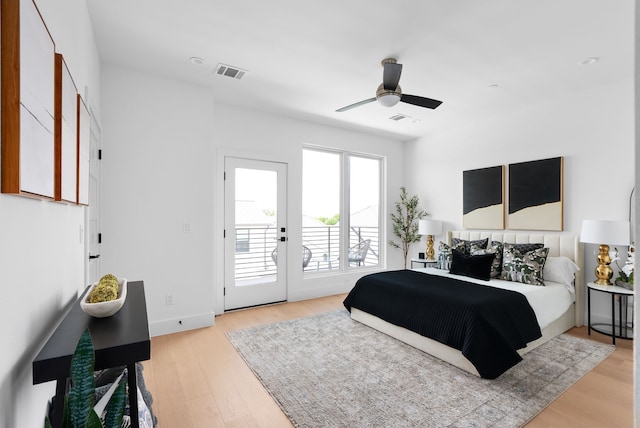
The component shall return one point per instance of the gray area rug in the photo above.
(330, 371)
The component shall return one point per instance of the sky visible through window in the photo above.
(321, 184)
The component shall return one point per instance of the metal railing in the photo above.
(255, 255)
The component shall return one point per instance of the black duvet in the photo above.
(487, 324)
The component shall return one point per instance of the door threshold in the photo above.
(254, 306)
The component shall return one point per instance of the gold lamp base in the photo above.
(430, 251)
(604, 273)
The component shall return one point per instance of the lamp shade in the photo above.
(429, 227)
(605, 232)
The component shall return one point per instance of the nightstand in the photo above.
(425, 262)
(623, 328)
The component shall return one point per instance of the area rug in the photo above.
(330, 371)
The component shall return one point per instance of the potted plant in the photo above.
(405, 222)
(79, 403)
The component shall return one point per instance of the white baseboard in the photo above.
(175, 325)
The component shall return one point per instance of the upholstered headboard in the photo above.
(558, 244)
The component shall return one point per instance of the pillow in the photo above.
(496, 249)
(444, 256)
(526, 268)
(481, 243)
(560, 269)
(523, 248)
(478, 267)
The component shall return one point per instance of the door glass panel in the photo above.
(321, 209)
(364, 219)
(256, 219)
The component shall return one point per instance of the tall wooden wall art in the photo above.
(27, 74)
(66, 134)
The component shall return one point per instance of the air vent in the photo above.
(230, 71)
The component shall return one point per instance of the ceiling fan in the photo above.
(389, 93)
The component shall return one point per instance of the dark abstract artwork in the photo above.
(483, 198)
(535, 195)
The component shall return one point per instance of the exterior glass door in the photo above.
(255, 232)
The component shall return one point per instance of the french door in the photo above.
(255, 232)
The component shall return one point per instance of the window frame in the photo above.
(345, 208)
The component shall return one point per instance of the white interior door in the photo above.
(255, 232)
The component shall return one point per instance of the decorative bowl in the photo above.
(108, 308)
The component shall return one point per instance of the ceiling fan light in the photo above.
(389, 99)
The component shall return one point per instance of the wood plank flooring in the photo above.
(198, 380)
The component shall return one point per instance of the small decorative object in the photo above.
(404, 222)
(625, 276)
(599, 231)
(105, 297)
(430, 228)
(421, 256)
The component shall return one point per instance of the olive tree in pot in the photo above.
(405, 222)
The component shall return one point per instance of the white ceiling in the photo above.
(306, 59)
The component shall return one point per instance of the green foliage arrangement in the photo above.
(79, 402)
(405, 222)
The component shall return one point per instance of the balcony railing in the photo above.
(255, 257)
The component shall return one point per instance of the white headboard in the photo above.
(558, 244)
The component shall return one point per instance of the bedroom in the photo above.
(161, 144)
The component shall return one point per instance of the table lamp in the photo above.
(611, 232)
(430, 228)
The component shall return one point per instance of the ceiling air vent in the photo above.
(230, 71)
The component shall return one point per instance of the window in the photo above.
(340, 208)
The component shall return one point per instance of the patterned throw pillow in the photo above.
(496, 249)
(524, 248)
(444, 256)
(481, 243)
(526, 268)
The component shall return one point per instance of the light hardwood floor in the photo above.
(198, 380)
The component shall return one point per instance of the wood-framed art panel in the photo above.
(66, 133)
(84, 152)
(536, 193)
(483, 198)
(27, 74)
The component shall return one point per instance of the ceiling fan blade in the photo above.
(391, 76)
(420, 101)
(358, 104)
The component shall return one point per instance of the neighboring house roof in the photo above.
(366, 217)
(249, 214)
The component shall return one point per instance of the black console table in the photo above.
(119, 340)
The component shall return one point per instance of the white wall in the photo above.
(41, 253)
(163, 145)
(594, 131)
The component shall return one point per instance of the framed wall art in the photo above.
(27, 74)
(483, 198)
(66, 134)
(536, 195)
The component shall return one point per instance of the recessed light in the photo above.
(588, 61)
(493, 86)
(196, 60)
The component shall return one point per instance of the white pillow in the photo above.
(560, 269)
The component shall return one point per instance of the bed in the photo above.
(552, 318)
